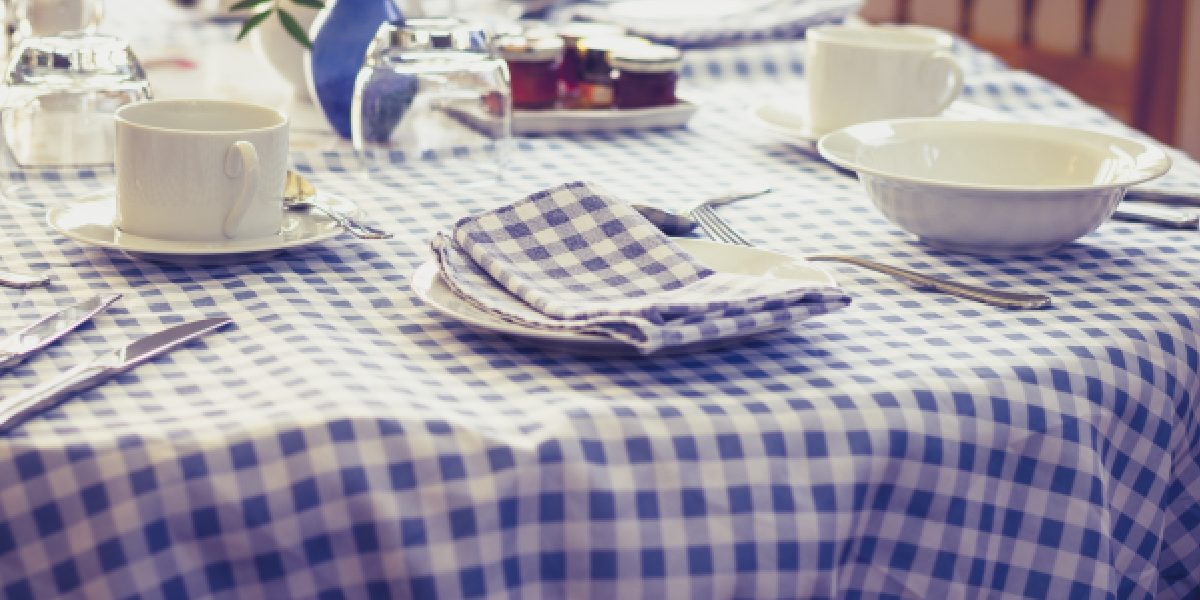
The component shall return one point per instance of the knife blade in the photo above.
(18, 409)
(1155, 215)
(45, 331)
(22, 281)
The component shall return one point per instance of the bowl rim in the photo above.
(1151, 161)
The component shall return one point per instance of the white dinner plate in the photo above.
(525, 122)
(789, 120)
(429, 287)
(89, 221)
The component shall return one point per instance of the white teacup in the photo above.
(200, 170)
(858, 74)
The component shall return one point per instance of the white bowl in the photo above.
(995, 188)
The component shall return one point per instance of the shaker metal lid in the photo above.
(645, 58)
(521, 48)
(435, 33)
(74, 58)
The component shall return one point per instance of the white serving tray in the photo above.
(532, 122)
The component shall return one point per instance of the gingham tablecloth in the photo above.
(347, 441)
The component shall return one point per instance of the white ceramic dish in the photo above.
(430, 289)
(789, 120)
(527, 122)
(992, 188)
(89, 221)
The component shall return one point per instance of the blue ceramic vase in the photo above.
(340, 36)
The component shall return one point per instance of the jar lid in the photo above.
(522, 48)
(573, 32)
(646, 58)
(607, 44)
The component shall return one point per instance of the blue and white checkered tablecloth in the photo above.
(347, 441)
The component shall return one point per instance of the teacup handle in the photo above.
(241, 160)
(937, 66)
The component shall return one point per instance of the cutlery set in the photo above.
(718, 229)
(37, 336)
(705, 217)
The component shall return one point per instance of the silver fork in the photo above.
(719, 230)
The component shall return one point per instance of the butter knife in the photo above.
(16, 410)
(1156, 215)
(22, 281)
(45, 331)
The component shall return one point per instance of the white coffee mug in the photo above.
(857, 74)
(200, 170)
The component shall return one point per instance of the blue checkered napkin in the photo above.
(571, 258)
(721, 22)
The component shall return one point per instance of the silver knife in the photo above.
(47, 330)
(22, 281)
(15, 410)
(1156, 215)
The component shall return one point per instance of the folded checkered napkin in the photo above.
(571, 258)
(714, 22)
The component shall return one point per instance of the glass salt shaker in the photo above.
(430, 89)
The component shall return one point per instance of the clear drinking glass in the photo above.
(433, 94)
(50, 17)
(60, 95)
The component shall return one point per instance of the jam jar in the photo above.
(595, 89)
(645, 75)
(570, 70)
(533, 66)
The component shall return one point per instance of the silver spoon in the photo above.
(704, 217)
(299, 194)
(676, 224)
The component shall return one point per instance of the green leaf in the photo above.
(244, 4)
(317, 4)
(294, 29)
(253, 22)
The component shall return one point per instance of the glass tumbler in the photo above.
(433, 95)
(60, 95)
(50, 17)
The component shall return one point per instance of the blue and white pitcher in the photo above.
(340, 36)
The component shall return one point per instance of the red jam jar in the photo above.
(595, 88)
(570, 70)
(646, 75)
(533, 66)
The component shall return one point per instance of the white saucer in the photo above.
(89, 221)
(430, 288)
(789, 120)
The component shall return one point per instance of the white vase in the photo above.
(285, 54)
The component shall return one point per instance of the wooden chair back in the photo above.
(1142, 90)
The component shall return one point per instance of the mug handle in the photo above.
(937, 66)
(241, 160)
